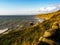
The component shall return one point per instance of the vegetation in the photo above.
(30, 35)
(48, 15)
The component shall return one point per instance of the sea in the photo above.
(15, 21)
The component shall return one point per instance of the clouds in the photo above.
(48, 9)
(58, 6)
(29, 11)
(27, 7)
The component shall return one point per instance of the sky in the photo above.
(28, 7)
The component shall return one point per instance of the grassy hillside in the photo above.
(30, 35)
(48, 15)
(22, 37)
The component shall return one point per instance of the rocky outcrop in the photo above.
(51, 36)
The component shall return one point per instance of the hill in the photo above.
(30, 35)
(48, 15)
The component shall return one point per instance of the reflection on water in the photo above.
(16, 22)
(3, 30)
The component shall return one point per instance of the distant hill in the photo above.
(48, 15)
(30, 35)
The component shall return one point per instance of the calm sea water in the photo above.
(12, 21)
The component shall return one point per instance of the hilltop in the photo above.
(30, 35)
(48, 15)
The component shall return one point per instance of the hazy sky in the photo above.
(9, 7)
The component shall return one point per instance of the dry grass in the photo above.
(47, 16)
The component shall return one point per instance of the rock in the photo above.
(50, 36)
(31, 23)
(55, 25)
